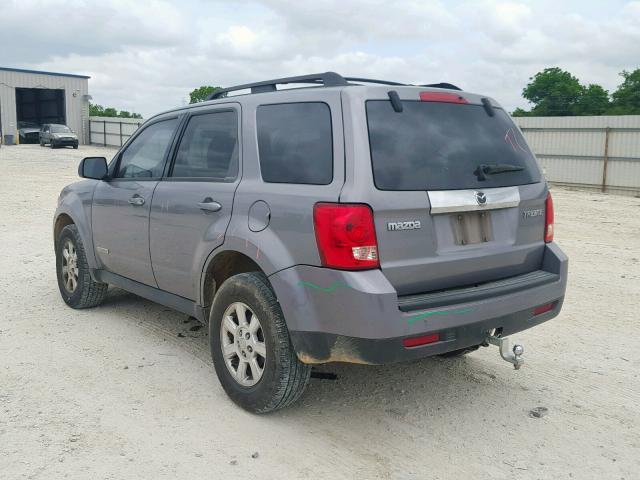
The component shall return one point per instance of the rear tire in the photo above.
(77, 288)
(280, 378)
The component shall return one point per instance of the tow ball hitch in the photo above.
(511, 355)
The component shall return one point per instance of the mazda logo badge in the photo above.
(481, 198)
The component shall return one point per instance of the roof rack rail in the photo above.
(449, 86)
(326, 79)
(370, 80)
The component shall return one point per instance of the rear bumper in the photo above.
(356, 316)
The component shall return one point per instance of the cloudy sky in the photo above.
(147, 56)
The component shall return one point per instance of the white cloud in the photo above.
(148, 56)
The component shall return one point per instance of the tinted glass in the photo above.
(144, 157)
(438, 146)
(295, 143)
(209, 147)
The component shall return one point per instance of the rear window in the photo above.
(295, 143)
(439, 146)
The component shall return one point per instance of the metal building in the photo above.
(29, 97)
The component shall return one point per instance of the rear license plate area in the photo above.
(471, 228)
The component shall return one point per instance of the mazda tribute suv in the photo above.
(347, 220)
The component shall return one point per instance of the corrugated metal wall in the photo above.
(76, 90)
(574, 150)
(112, 131)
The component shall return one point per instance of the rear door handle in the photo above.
(136, 200)
(209, 205)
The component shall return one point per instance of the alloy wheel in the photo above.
(70, 271)
(243, 346)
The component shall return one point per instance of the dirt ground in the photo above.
(127, 390)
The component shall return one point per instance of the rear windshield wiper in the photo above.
(494, 168)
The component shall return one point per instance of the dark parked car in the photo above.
(29, 132)
(57, 136)
(356, 221)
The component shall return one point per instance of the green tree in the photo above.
(626, 99)
(200, 94)
(96, 110)
(553, 92)
(125, 114)
(520, 112)
(100, 111)
(593, 100)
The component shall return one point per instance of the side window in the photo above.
(295, 143)
(144, 157)
(209, 147)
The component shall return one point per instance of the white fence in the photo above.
(600, 153)
(112, 131)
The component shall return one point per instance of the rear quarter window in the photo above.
(295, 143)
(439, 146)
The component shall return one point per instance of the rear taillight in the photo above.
(443, 97)
(548, 219)
(346, 236)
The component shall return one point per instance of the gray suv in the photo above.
(357, 221)
(57, 135)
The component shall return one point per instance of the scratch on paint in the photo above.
(330, 289)
(415, 318)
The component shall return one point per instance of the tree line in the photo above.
(556, 93)
(100, 111)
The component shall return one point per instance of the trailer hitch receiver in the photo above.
(511, 355)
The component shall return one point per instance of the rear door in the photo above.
(442, 221)
(192, 205)
(120, 213)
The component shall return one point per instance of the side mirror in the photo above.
(93, 167)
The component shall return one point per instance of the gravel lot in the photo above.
(127, 390)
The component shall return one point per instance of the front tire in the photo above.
(77, 288)
(250, 345)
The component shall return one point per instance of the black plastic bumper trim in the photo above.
(474, 293)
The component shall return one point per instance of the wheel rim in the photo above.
(242, 342)
(69, 266)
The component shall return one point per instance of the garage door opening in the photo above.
(36, 106)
